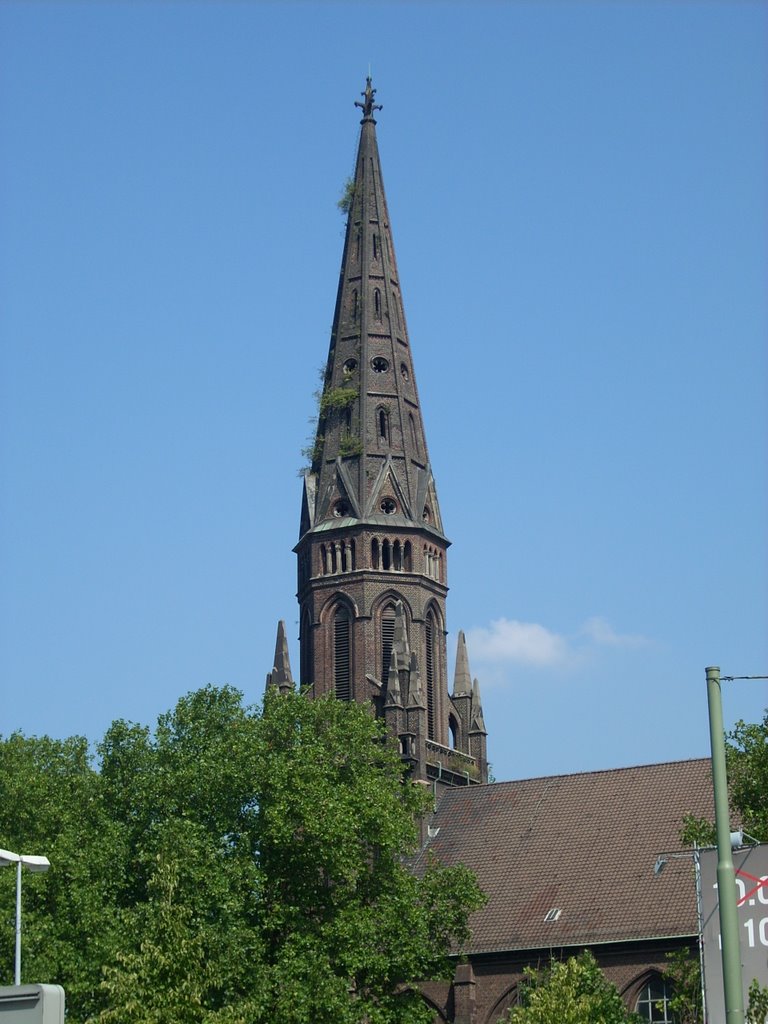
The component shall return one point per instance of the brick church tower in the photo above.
(372, 566)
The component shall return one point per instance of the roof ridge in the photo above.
(596, 771)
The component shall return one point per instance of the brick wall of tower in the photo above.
(366, 591)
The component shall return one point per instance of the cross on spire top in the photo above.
(368, 106)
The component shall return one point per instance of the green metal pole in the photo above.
(726, 878)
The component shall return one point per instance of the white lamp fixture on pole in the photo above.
(37, 864)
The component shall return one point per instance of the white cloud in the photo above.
(604, 635)
(507, 640)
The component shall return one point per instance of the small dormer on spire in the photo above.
(368, 106)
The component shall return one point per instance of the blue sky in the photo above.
(578, 198)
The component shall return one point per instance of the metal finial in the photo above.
(368, 106)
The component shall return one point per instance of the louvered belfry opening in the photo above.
(342, 668)
(429, 635)
(387, 639)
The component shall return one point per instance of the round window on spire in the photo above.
(350, 366)
(404, 372)
(379, 365)
(388, 506)
(341, 509)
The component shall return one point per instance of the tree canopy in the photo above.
(573, 991)
(231, 866)
(746, 756)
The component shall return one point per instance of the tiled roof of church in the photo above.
(584, 845)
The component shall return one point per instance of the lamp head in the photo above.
(7, 858)
(36, 864)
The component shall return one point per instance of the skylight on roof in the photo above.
(553, 914)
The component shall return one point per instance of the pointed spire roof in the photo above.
(462, 679)
(477, 723)
(369, 461)
(280, 676)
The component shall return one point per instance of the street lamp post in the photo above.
(35, 864)
(726, 886)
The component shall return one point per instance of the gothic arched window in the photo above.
(342, 653)
(387, 638)
(653, 1001)
(383, 424)
(453, 731)
(430, 662)
(306, 668)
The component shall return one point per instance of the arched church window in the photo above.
(383, 421)
(387, 639)
(375, 246)
(653, 1001)
(407, 559)
(324, 559)
(306, 667)
(414, 438)
(397, 556)
(430, 635)
(453, 731)
(342, 668)
(386, 559)
(374, 554)
(355, 304)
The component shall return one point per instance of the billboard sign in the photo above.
(751, 870)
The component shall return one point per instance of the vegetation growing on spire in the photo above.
(350, 445)
(312, 451)
(337, 399)
(347, 196)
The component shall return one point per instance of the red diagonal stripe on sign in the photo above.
(761, 884)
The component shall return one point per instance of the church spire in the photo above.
(369, 458)
(372, 576)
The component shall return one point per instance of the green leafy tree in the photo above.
(50, 804)
(684, 976)
(746, 755)
(231, 868)
(757, 1005)
(573, 991)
